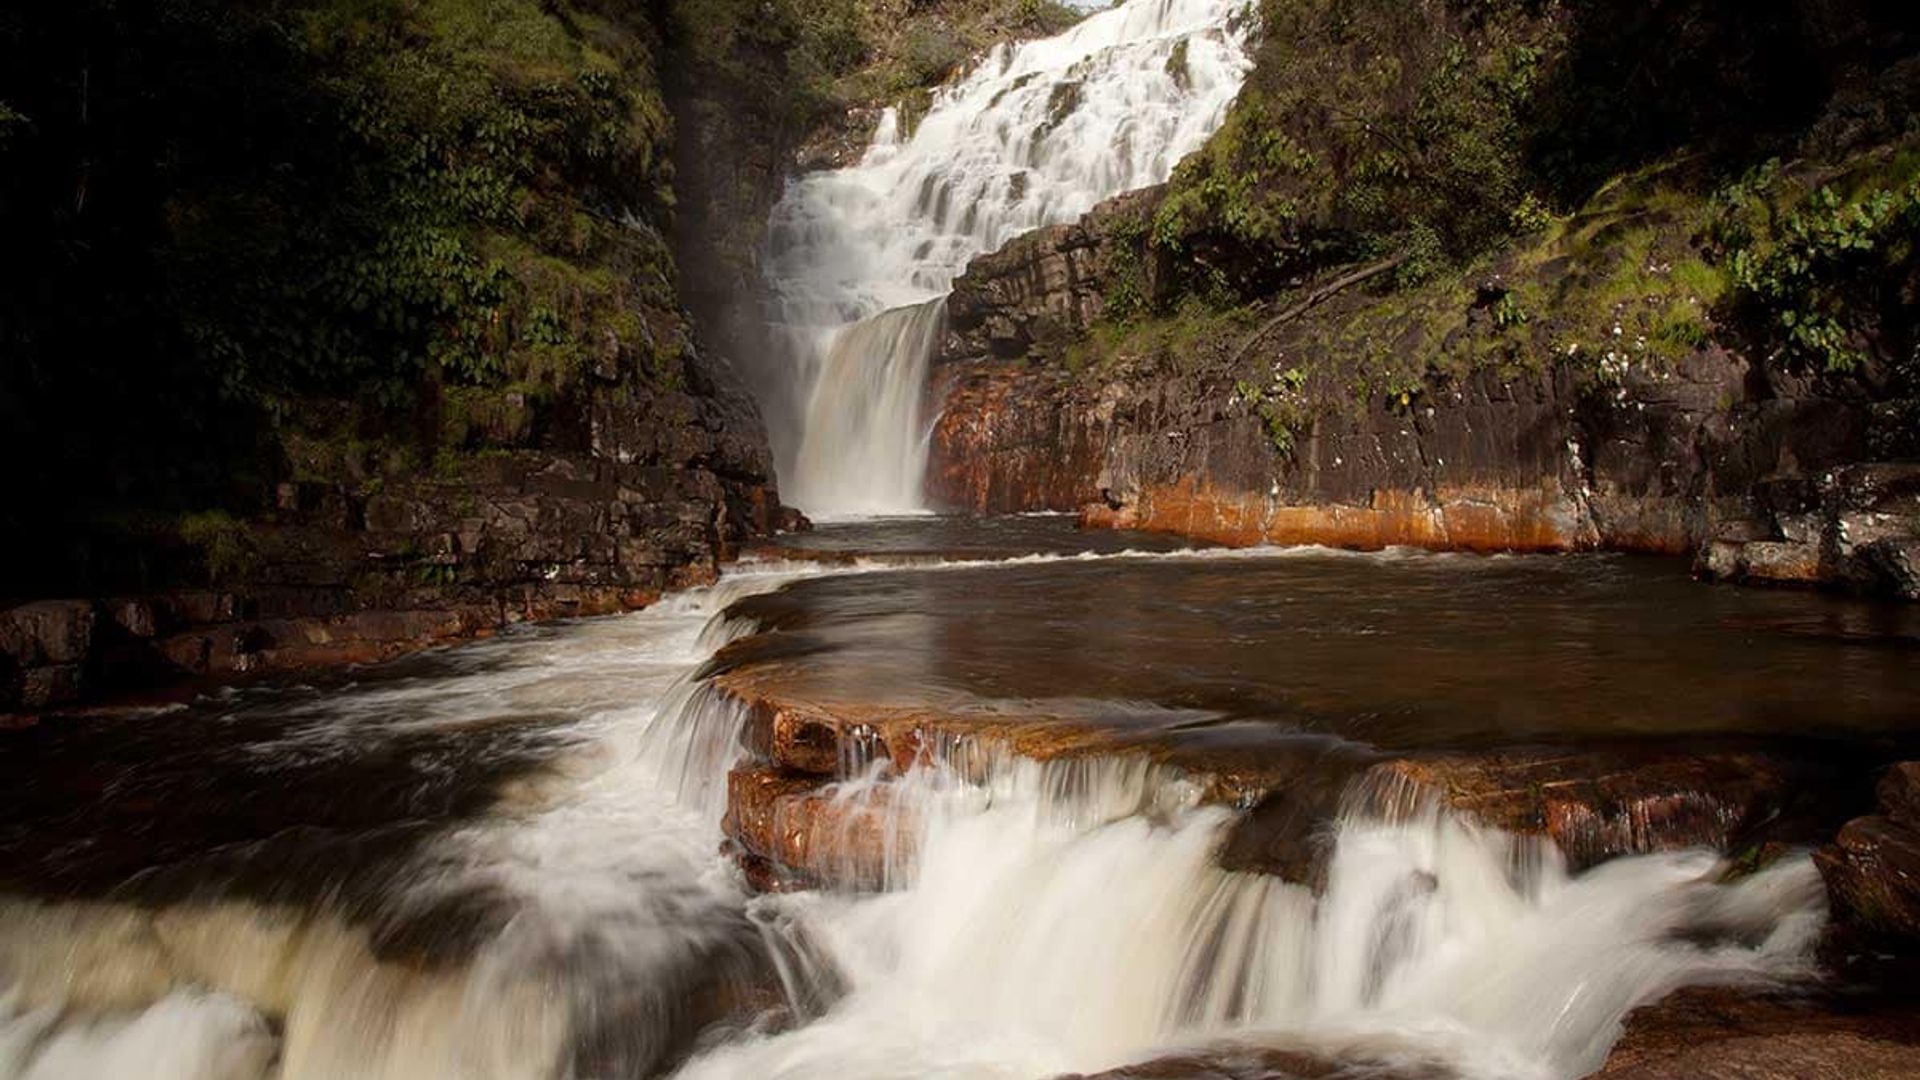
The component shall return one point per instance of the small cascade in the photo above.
(1070, 916)
(1036, 917)
(1032, 135)
(585, 927)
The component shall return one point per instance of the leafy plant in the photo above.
(1810, 280)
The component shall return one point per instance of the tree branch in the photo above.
(1315, 299)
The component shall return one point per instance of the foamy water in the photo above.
(1041, 918)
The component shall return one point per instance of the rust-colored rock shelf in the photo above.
(1593, 804)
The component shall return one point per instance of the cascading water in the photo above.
(1032, 135)
(1041, 918)
(1069, 916)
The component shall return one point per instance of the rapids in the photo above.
(581, 919)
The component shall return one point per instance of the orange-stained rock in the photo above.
(807, 834)
(1594, 805)
(1451, 519)
(1599, 804)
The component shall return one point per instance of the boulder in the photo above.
(1872, 868)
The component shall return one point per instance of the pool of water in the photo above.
(1398, 649)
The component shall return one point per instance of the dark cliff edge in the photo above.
(344, 330)
(1506, 299)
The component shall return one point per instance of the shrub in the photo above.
(1816, 283)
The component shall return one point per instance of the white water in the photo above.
(1032, 135)
(1049, 918)
(1070, 917)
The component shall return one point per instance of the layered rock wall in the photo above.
(1764, 476)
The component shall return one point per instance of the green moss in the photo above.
(225, 545)
(1177, 65)
(858, 52)
(1192, 337)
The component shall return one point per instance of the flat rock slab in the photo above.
(1595, 805)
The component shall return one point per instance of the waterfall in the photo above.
(1070, 916)
(1032, 135)
(863, 421)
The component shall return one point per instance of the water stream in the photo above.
(505, 861)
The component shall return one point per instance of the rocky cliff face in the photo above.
(1762, 474)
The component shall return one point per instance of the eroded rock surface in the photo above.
(661, 492)
(1594, 804)
(1727, 1034)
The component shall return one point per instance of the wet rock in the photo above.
(47, 632)
(1899, 794)
(1769, 561)
(1872, 868)
(1727, 1034)
(1254, 1063)
(1594, 806)
(1040, 287)
(1757, 476)
(798, 833)
(1890, 565)
(1601, 804)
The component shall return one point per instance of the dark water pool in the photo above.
(1397, 650)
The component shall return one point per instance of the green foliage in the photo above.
(11, 123)
(1282, 405)
(269, 208)
(1190, 337)
(1368, 126)
(1811, 275)
(1508, 313)
(1424, 255)
(1531, 215)
(847, 53)
(929, 54)
(1126, 285)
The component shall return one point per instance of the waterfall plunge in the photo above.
(1033, 135)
